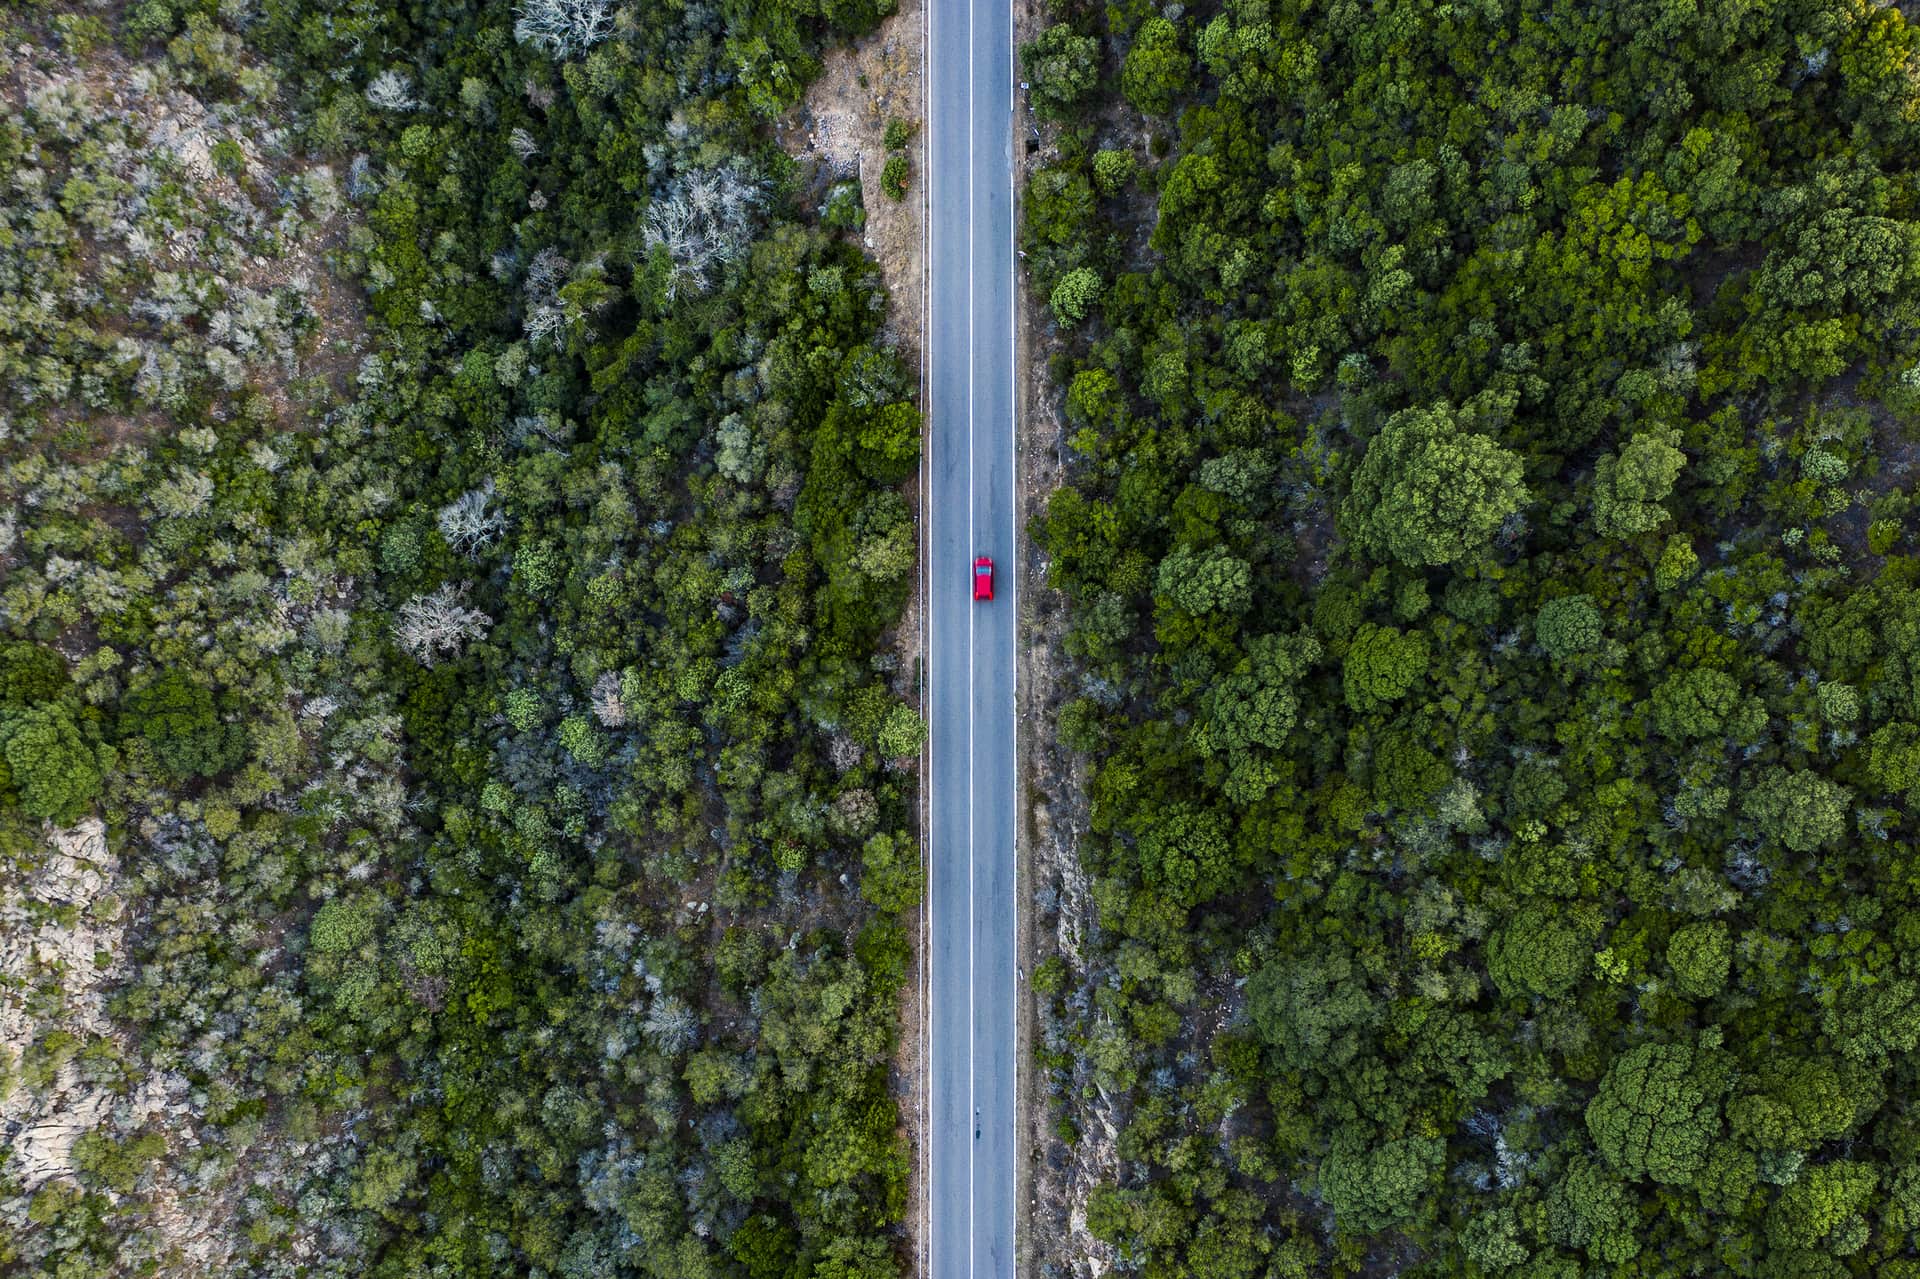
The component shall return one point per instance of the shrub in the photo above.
(1074, 295)
(893, 176)
(1112, 170)
(1062, 67)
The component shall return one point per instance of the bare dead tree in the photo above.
(703, 220)
(471, 523)
(436, 626)
(562, 28)
(545, 274)
(392, 91)
(608, 706)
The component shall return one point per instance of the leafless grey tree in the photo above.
(471, 523)
(670, 1025)
(562, 28)
(432, 627)
(545, 274)
(545, 321)
(608, 706)
(392, 91)
(704, 220)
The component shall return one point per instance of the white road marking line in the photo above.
(973, 1100)
(1013, 608)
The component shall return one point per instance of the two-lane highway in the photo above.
(970, 646)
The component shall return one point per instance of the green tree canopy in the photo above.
(55, 772)
(1313, 1009)
(1062, 67)
(1382, 665)
(1074, 294)
(1209, 581)
(1371, 1185)
(1801, 809)
(1568, 626)
(1258, 702)
(1540, 952)
(1824, 1208)
(1589, 1207)
(177, 717)
(1628, 487)
(1657, 1111)
(1156, 69)
(1694, 704)
(1700, 955)
(1429, 491)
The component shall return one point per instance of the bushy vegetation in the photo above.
(493, 711)
(1492, 593)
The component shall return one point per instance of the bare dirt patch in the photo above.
(842, 123)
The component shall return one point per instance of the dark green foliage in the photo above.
(578, 949)
(30, 675)
(179, 722)
(51, 767)
(1062, 68)
(1657, 1112)
(1554, 370)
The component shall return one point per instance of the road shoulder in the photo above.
(1057, 911)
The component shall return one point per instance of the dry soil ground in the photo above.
(841, 123)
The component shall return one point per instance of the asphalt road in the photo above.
(970, 646)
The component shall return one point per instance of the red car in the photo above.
(983, 578)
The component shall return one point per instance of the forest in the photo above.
(1494, 644)
(456, 775)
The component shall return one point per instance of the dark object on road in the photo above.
(983, 578)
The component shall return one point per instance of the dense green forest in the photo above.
(466, 737)
(1495, 636)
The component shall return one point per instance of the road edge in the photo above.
(1024, 627)
(923, 1090)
